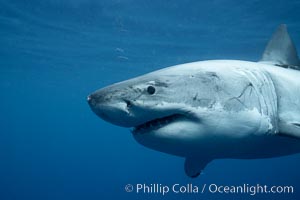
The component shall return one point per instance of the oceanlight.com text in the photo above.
(163, 189)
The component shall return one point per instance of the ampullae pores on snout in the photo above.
(213, 109)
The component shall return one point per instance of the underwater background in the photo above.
(54, 53)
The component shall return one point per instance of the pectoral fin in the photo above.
(194, 165)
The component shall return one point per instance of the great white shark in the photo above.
(213, 109)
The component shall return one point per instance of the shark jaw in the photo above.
(155, 124)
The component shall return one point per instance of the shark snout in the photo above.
(96, 98)
(110, 108)
(90, 100)
(97, 103)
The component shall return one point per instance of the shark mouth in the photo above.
(155, 124)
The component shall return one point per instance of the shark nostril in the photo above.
(128, 103)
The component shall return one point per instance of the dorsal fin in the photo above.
(280, 50)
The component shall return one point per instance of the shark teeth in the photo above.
(155, 124)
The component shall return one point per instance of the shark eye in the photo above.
(151, 90)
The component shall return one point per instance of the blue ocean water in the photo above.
(54, 53)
